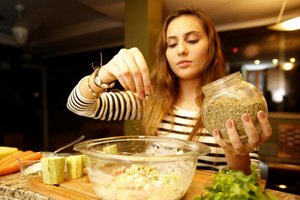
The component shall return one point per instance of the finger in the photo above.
(114, 69)
(235, 138)
(265, 126)
(252, 149)
(141, 63)
(135, 71)
(218, 139)
(251, 131)
(111, 69)
(123, 68)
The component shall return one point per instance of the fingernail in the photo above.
(142, 95)
(261, 114)
(246, 117)
(229, 123)
(216, 134)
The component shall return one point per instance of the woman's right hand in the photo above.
(130, 68)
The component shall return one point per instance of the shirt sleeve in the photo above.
(120, 105)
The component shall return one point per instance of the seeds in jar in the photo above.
(221, 108)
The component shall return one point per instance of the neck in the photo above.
(187, 94)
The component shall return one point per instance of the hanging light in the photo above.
(21, 34)
(288, 25)
(19, 31)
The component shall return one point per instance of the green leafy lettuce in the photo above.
(235, 185)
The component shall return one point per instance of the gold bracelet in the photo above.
(90, 89)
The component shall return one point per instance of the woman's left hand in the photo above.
(255, 138)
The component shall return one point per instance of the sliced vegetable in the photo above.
(53, 170)
(111, 149)
(75, 166)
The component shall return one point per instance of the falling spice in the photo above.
(221, 108)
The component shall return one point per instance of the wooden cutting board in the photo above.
(76, 189)
(81, 189)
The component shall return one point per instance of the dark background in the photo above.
(34, 90)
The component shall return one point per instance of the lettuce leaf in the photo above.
(235, 185)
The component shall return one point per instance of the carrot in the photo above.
(14, 158)
(9, 168)
(32, 156)
(9, 157)
(13, 167)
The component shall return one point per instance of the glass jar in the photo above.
(229, 98)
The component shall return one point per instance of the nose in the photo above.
(182, 48)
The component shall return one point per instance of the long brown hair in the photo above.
(164, 81)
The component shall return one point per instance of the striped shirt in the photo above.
(124, 105)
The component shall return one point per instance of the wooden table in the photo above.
(17, 187)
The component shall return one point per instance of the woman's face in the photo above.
(187, 47)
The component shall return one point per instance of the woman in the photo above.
(188, 57)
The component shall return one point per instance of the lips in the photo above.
(183, 63)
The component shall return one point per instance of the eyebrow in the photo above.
(188, 33)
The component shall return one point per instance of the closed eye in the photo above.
(172, 45)
(192, 41)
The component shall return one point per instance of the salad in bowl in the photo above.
(141, 167)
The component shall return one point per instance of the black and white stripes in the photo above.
(124, 105)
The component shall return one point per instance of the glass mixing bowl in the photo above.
(141, 167)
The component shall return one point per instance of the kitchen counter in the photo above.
(16, 186)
